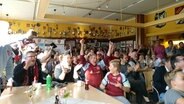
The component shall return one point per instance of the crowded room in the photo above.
(91, 51)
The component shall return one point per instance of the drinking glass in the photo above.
(30, 93)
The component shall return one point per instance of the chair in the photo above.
(159, 96)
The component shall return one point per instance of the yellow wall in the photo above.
(169, 28)
(171, 31)
(53, 30)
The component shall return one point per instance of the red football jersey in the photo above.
(111, 89)
(94, 75)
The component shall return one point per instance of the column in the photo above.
(140, 36)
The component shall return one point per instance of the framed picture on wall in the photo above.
(97, 44)
(123, 44)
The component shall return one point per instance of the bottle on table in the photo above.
(86, 85)
(48, 82)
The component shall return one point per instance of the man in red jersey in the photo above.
(93, 72)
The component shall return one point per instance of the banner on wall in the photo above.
(160, 15)
(43, 43)
(179, 10)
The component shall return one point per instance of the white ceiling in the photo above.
(26, 9)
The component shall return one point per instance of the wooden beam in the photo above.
(168, 32)
(42, 8)
(93, 9)
(91, 20)
(165, 20)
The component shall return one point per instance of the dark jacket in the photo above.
(19, 74)
(158, 79)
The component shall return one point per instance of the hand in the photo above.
(10, 82)
(111, 44)
(129, 69)
(30, 34)
(137, 66)
(82, 41)
(118, 85)
(50, 47)
(65, 70)
(29, 62)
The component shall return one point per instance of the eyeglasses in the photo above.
(32, 56)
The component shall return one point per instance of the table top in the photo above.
(18, 95)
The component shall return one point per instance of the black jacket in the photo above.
(158, 79)
(19, 74)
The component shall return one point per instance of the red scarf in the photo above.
(26, 79)
(36, 71)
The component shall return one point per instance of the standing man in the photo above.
(171, 49)
(159, 52)
(6, 62)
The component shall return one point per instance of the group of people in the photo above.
(114, 72)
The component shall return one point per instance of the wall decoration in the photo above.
(179, 10)
(43, 43)
(33, 25)
(52, 30)
(44, 27)
(28, 25)
(160, 15)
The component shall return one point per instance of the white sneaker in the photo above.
(146, 99)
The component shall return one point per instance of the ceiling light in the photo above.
(177, 0)
(99, 8)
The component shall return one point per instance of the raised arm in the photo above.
(46, 56)
(111, 48)
(82, 47)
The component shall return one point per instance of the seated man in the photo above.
(28, 71)
(175, 81)
(158, 78)
(134, 75)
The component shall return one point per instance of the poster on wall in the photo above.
(179, 10)
(160, 15)
(43, 43)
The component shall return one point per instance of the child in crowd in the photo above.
(175, 80)
(115, 83)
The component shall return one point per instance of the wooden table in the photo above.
(18, 95)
